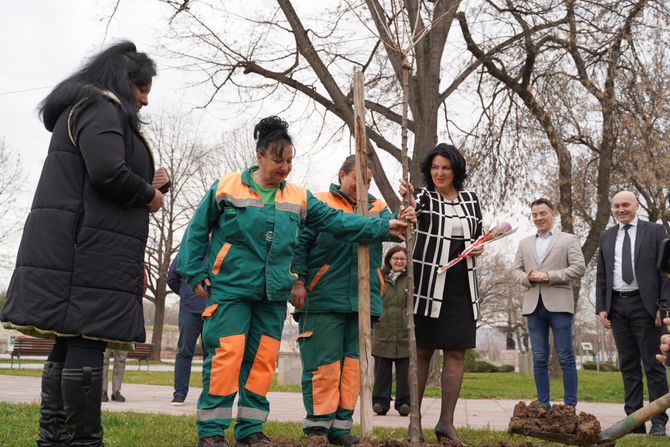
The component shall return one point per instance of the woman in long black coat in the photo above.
(390, 341)
(79, 270)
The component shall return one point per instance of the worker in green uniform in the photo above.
(250, 221)
(328, 319)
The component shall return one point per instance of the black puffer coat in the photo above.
(79, 269)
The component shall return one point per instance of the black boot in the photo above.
(52, 416)
(81, 400)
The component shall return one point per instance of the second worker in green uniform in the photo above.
(328, 320)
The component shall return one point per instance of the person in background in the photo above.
(191, 307)
(630, 294)
(250, 221)
(78, 275)
(328, 321)
(446, 304)
(118, 371)
(390, 340)
(546, 265)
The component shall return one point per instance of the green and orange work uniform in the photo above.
(328, 321)
(253, 238)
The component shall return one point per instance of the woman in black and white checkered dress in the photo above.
(446, 305)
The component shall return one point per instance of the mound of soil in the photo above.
(322, 441)
(561, 419)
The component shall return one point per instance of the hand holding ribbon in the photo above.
(498, 232)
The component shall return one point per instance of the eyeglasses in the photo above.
(398, 259)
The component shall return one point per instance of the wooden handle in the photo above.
(637, 418)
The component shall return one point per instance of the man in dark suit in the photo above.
(630, 293)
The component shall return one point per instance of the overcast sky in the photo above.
(43, 41)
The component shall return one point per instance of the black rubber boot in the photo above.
(82, 401)
(52, 415)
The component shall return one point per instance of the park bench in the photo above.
(24, 345)
(142, 352)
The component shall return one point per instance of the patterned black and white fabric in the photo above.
(432, 241)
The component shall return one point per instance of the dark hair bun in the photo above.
(268, 126)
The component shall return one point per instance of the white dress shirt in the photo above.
(618, 283)
(541, 245)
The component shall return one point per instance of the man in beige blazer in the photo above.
(546, 264)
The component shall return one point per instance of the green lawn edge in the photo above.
(605, 387)
(20, 421)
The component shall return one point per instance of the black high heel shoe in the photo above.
(421, 438)
(441, 433)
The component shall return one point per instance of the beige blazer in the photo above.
(563, 261)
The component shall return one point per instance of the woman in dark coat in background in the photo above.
(79, 270)
(390, 341)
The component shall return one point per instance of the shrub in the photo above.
(604, 366)
(473, 364)
(470, 361)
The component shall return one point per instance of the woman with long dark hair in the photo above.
(79, 270)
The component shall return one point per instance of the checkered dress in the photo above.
(431, 249)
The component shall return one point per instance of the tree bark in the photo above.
(415, 410)
(364, 330)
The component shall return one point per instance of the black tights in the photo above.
(451, 380)
(78, 352)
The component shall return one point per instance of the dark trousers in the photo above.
(78, 352)
(384, 382)
(637, 339)
(190, 327)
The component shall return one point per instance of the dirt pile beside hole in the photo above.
(561, 419)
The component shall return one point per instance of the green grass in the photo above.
(593, 386)
(19, 429)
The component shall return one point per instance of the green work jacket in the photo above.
(251, 244)
(330, 264)
(390, 338)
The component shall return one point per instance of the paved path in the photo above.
(288, 407)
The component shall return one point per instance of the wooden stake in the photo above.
(364, 331)
(415, 410)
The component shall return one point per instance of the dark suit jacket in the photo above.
(654, 286)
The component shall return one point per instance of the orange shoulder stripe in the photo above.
(292, 194)
(231, 188)
(334, 202)
(293, 199)
(378, 205)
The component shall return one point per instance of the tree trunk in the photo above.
(159, 317)
(415, 410)
(364, 330)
